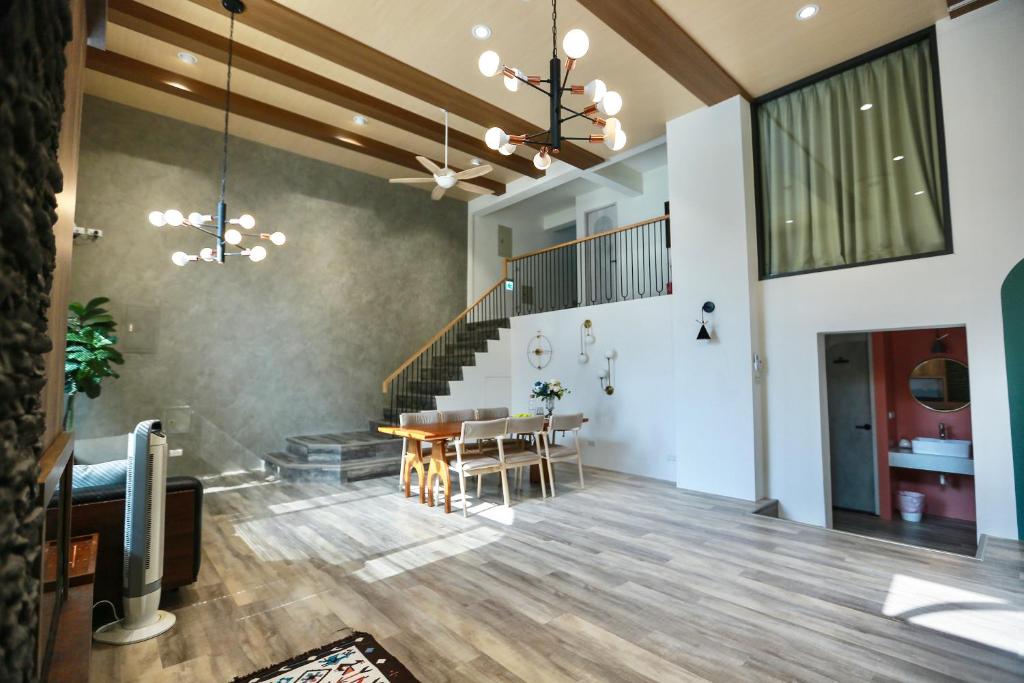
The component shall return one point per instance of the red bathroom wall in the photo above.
(903, 351)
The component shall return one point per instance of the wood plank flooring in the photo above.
(937, 533)
(626, 580)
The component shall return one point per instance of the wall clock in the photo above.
(538, 351)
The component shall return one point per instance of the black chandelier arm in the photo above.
(586, 139)
(539, 145)
(537, 135)
(535, 86)
(577, 113)
(202, 229)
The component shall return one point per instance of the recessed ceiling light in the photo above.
(898, 157)
(866, 106)
(806, 12)
(475, 161)
(359, 120)
(481, 32)
(187, 57)
(179, 86)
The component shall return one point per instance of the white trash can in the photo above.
(911, 505)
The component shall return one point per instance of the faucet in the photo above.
(942, 430)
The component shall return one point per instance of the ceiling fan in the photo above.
(446, 178)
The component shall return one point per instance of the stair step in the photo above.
(437, 387)
(409, 403)
(441, 374)
(330, 447)
(347, 456)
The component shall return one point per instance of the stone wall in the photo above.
(32, 38)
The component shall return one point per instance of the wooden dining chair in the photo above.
(521, 454)
(464, 465)
(404, 420)
(554, 452)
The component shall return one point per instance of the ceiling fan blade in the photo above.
(473, 172)
(475, 189)
(429, 165)
(437, 193)
(411, 180)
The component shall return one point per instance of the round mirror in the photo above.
(941, 384)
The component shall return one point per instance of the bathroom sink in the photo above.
(952, 448)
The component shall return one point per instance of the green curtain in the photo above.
(833, 192)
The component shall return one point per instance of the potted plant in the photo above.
(548, 392)
(90, 351)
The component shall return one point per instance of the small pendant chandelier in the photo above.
(602, 102)
(226, 232)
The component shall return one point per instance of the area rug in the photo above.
(356, 659)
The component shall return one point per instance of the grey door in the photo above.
(851, 435)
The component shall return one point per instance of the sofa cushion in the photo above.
(102, 474)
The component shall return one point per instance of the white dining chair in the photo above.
(518, 453)
(463, 465)
(404, 420)
(490, 413)
(555, 452)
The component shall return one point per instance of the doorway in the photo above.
(899, 431)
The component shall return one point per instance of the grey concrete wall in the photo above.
(296, 344)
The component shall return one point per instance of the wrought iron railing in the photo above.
(631, 262)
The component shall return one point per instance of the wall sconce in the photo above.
(704, 335)
(606, 375)
(586, 337)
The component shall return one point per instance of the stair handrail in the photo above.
(461, 316)
(606, 233)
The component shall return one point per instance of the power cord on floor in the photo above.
(112, 608)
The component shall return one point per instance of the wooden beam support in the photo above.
(119, 66)
(155, 24)
(299, 30)
(651, 30)
(958, 8)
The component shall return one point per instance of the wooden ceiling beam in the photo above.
(651, 30)
(169, 29)
(958, 8)
(307, 34)
(173, 83)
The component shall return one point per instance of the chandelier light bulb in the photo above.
(232, 236)
(179, 258)
(611, 126)
(206, 253)
(278, 238)
(512, 84)
(489, 63)
(610, 104)
(196, 218)
(257, 254)
(173, 217)
(542, 160)
(616, 141)
(576, 43)
(508, 149)
(595, 90)
(495, 137)
(156, 218)
(246, 221)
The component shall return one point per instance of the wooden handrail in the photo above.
(588, 238)
(461, 316)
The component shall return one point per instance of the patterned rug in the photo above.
(356, 659)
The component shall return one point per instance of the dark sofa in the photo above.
(98, 497)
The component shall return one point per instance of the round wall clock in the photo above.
(538, 351)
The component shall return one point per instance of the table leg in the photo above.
(413, 460)
(445, 473)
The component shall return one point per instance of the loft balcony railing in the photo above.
(627, 263)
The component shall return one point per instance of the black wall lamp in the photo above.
(704, 335)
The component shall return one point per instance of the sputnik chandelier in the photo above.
(217, 226)
(602, 102)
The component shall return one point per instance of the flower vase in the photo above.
(549, 406)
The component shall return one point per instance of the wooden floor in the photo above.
(627, 580)
(937, 533)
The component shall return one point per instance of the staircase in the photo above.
(342, 456)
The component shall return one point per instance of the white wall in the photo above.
(630, 209)
(717, 443)
(627, 430)
(486, 384)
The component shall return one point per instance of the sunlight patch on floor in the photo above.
(325, 501)
(409, 559)
(249, 484)
(964, 614)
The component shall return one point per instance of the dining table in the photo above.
(438, 435)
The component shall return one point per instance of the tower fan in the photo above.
(144, 511)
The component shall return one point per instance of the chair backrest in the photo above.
(565, 423)
(526, 425)
(484, 429)
(424, 417)
(458, 415)
(491, 413)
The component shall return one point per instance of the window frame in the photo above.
(927, 35)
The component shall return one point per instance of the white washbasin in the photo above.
(952, 448)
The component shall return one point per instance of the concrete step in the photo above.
(342, 456)
(329, 447)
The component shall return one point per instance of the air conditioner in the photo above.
(145, 505)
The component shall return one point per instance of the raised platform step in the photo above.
(342, 456)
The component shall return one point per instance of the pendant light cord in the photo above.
(227, 111)
(554, 28)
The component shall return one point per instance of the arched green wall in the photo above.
(1013, 333)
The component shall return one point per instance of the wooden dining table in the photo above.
(438, 435)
